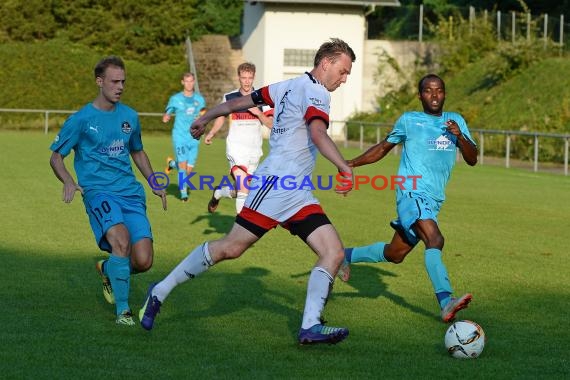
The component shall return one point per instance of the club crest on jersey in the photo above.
(126, 127)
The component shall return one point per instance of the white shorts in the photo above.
(268, 196)
(243, 159)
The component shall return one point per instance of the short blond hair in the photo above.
(247, 67)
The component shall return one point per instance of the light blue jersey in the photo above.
(186, 109)
(103, 141)
(429, 151)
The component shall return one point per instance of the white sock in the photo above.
(240, 201)
(197, 262)
(318, 288)
(225, 192)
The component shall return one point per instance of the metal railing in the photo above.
(46, 114)
(479, 134)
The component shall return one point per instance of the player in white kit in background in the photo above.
(244, 141)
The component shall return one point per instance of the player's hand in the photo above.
(197, 128)
(255, 111)
(208, 139)
(453, 128)
(165, 118)
(69, 190)
(162, 194)
(345, 180)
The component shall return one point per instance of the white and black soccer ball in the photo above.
(465, 340)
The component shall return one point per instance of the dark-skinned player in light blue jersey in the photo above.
(105, 135)
(186, 106)
(430, 141)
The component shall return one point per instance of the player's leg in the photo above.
(142, 254)
(170, 164)
(219, 193)
(393, 252)
(242, 235)
(318, 233)
(428, 231)
(119, 270)
(189, 161)
(100, 267)
(241, 177)
(107, 222)
(182, 149)
(183, 170)
(223, 191)
(171, 161)
(138, 225)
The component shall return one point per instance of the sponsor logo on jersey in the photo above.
(126, 127)
(317, 102)
(442, 143)
(116, 148)
(243, 116)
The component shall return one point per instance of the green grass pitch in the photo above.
(506, 236)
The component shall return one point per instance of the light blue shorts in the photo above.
(186, 150)
(106, 210)
(412, 207)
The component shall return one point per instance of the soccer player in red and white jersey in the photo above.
(299, 130)
(244, 141)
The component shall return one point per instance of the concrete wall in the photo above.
(304, 27)
(407, 55)
(270, 28)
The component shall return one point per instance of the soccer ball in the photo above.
(464, 340)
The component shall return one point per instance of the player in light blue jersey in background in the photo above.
(186, 106)
(104, 135)
(430, 141)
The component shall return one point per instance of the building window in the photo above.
(299, 57)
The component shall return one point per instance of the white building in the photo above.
(282, 36)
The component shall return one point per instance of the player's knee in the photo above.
(338, 256)
(437, 241)
(396, 256)
(121, 247)
(397, 259)
(141, 265)
(231, 252)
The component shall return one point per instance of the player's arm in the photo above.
(215, 128)
(168, 113)
(373, 154)
(61, 172)
(223, 109)
(143, 164)
(327, 147)
(266, 120)
(467, 148)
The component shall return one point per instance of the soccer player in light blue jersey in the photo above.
(430, 141)
(186, 106)
(105, 135)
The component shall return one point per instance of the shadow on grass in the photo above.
(217, 223)
(369, 283)
(173, 190)
(246, 290)
(56, 299)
